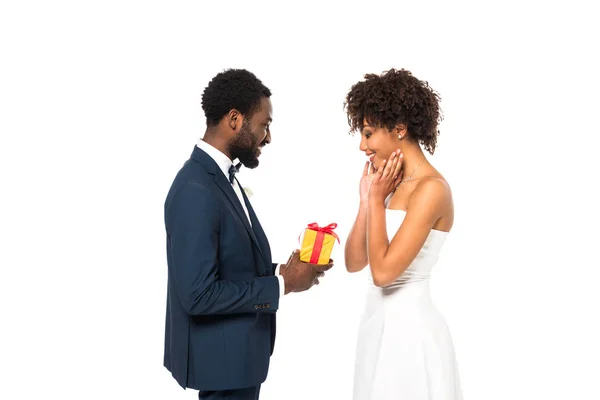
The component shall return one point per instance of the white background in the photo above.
(100, 106)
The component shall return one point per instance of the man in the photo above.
(223, 289)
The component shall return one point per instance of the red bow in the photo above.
(325, 229)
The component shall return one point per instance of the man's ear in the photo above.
(235, 119)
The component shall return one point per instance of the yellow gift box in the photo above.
(317, 243)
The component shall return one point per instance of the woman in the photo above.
(404, 347)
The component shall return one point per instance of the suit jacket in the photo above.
(222, 294)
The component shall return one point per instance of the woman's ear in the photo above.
(400, 130)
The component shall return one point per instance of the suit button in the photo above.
(268, 306)
(256, 307)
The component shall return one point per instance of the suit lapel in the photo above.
(223, 183)
(227, 189)
(258, 230)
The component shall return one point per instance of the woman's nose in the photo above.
(363, 144)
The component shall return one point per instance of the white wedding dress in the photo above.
(405, 350)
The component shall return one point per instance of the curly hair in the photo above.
(232, 89)
(392, 98)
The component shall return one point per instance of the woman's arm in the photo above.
(388, 260)
(355, 252)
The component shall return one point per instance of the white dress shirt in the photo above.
(224, 164)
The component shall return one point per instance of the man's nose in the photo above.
(267, 139)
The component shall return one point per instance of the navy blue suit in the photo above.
(222, 294)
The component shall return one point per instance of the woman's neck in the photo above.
(412, 158)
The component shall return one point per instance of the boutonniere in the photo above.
(248, 192)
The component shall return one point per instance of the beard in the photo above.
(244, 147)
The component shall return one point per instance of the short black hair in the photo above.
(392, 98)
(232, 89)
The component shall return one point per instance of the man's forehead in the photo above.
(267, 108)
(267, 102)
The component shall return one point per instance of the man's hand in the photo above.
(300, 276)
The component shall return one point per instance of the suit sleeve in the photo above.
(193, 229)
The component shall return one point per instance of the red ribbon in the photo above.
(326, 229)
(321, 231)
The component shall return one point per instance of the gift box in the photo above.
(317, 243)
